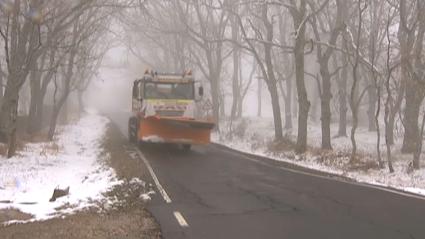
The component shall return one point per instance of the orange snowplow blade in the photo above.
(172, 130)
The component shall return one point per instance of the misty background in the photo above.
(334, 64)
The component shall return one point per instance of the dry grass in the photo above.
(363, 166)
(47, 148)
(51, 148)
(281, 145)
(334, 158)
(3, 149)
(37, 137)
(13, 214)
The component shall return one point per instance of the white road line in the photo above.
(161, 190)
(363, 184)
(180, 219)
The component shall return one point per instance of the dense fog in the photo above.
(338, 65)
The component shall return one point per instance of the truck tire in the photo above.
(132, 129)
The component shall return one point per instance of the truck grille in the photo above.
(170, 113)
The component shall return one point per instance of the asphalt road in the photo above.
(220, 193)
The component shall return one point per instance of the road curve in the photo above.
(224, 194)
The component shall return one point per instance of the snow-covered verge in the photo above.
(74, 159)
(255, 136)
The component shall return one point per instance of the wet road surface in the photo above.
(220, 193)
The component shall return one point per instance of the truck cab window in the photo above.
(179, 91)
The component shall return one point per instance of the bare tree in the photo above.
(299, 16)
(323, 57)
(236, 66)
(342, 94)
(207, 34)
(86, 33)
(18, 33)
(355, 101)
(285, 72)
(22, 39)
(389, 69)
(263, 41)
(411, 37)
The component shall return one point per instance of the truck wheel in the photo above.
(187, 147)
(132, 129)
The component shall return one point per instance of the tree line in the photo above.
(49, 50)
(331, 59)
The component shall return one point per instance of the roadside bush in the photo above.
(240, 128)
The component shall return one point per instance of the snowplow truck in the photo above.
(165, 110)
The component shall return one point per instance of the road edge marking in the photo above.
(180, 219)
(161, 190)
(357, 183)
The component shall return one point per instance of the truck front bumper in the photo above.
(174, 130)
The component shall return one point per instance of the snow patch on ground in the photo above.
(255, 135)
(146, 195)
(73, 159)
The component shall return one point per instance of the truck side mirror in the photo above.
(201, 91)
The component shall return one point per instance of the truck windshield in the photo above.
(180, 91)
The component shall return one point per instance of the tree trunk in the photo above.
(378, 130)
(418, 150)
(1, 86)
(325, 106)
(215, 94)
(411, 114)
(303, 103)
(287, 101)
(394, 110)
(53, 121)
(287, 98)
(240, 108)
(342, 96)
(40, 100)
(35, 85)
(354, 99)
(62, 100)
(314, 105)
(371, 92)
(66, 79)
(259, 97)
(21, 56)
(288, 104)
(411, 44)
(276, 112)
(373, 56)
(271, 79)
(9, 114)
(235, 86)
(80, 103)
(244, 89)
(235, 78)
(390, 128)
(33, 102)
(63, 114)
